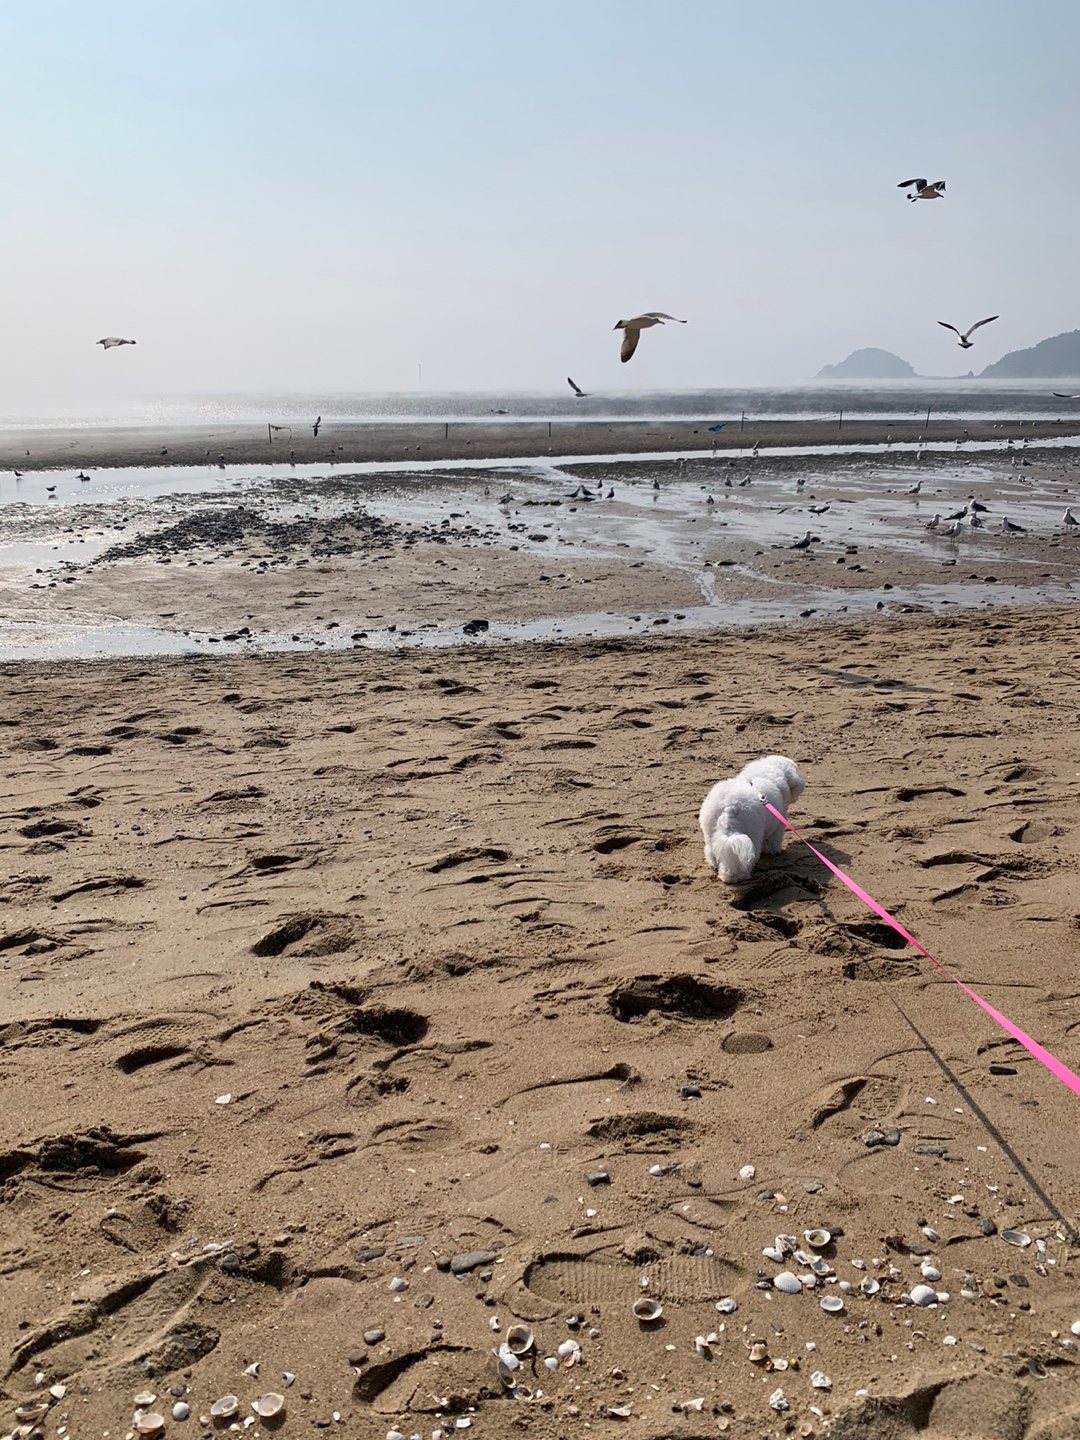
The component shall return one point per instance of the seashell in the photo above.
(817, 1239)
(870, 1286)
(225, 1408)
(252, 1369)
(820, 1381)
(943, 1297)
(781, 1364)
(747, 1172)
(728, 1306)
(1016, 1237)
(929, 1272)
(507, 1372)
(620, 1412)
(569, 1350)
(58, 1391)
(805, 1258)
(144, 1399)
(657, 1170)
(808, 1282)
(930, 1233)
(1075, 1327)
(773, 1253)
(846, 1286)
(778, 1401)
(522, 1392)
(149, 1423)
(758, 1353)
(519, 1339)
(551, 1362)
(923, 1295)
(647, 1310)
(288, 1377)
(32, 1413)
(181, 1410)
(820, 1267)
(787, 1243)
(269, 1405)
(787, 1282)
(832, 1303)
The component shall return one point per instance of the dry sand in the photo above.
(439, 925)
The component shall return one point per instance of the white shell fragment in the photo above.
(397, 1285)
(820, 1381)
(773, 1253)
(929, 1272)
(788, 1283)
(58, 1391)
(222, 1099)
(1016, 1237)
(144, 1399)
(225, 1408)
(252, 1369)
(149, 1423)
(551, 1362)
(728, 1306)
(519, 1339)
(923, 1295)
(269, 1405)
(817, 1239)
(747, 1172)
(1075, 1327)
(647, 1310)
(32, 1413)
(832, 1303)
(778, 1400)
(758, 1353)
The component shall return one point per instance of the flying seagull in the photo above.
(1059, 396)
(632, 329)
(923, 191)
(315, 427)
(111, 340)
(965, 343)
(715, 429)
(578, 392)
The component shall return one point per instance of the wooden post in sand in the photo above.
(446, 430)
(269, 433)
(742, 421)
(841, 424)
(549, 429)
(928, 408)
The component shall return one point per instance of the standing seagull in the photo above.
(915, 488)
(1011, 529)
(923, 191)
(111, 340)
(1069, 518)
(634, 327)
(578, 392)
(965, 343)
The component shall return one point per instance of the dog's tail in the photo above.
(735, 857)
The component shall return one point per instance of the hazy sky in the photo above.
(320, 196)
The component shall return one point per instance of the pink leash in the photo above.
(1063, 1073)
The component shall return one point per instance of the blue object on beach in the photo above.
(715, 428)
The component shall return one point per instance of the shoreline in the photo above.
(377, 441)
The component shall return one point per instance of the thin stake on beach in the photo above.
(928, 414)
(742, 420)
(840, 426)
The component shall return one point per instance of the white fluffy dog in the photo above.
(737, 827)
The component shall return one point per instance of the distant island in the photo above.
(1056, 358)
(869, 364)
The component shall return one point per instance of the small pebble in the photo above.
(690, 1092)
(372, 1337)
(747, 1172)
(181, 1411)
(397, 1285)
(598, 1177)
(987, 1226)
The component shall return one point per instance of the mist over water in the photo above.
(978, 401)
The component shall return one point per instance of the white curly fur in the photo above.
(737, 827)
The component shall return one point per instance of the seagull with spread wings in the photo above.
(111, 340)
(1059, 396)
(965, 343)
(632, 329)
(579, 394)
(923, 191)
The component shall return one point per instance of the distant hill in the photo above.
(1050, 359)
(868, 364)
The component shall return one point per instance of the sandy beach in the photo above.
(364, 1006)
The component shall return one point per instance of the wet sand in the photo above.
(435, 930)
(534, 551)
(349, 442)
